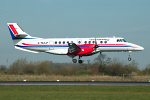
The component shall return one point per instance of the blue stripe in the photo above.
(32, 46)
(67, 46)
(118, 46)
(11, 33)
(28, 38)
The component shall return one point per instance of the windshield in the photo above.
(121, 40)
(124, 40)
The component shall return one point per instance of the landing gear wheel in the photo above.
(80, 61)
(74, 60)
(129, 59)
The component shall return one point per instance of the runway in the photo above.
(74, 83)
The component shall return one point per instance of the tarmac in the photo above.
(74, 83)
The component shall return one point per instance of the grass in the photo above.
(72, 78)
(74, 92)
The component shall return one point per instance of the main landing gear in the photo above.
(129, 59)
(79, 61)
(74, 60)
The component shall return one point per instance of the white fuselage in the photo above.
(60, 45)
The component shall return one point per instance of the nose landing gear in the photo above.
(129, 59)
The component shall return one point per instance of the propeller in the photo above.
(96, 46)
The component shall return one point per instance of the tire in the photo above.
(129, 59)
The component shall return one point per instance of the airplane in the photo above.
(69, 46)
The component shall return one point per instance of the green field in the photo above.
(74, 92)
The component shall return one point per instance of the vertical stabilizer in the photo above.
(16, 32)
(19, 37)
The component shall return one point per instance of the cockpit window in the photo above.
(121, 40)
(124, 40)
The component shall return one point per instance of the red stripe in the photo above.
(34, 44)
(13, 29)
(113, 45)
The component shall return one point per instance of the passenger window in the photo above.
(59, 42)
(101, 42)
(93, 42)
(55, 42)
(79, 42)
(67, 41)
(89, 42)
(105, 42)
(85, 42)
(63, 42)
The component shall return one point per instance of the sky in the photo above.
(129, 19)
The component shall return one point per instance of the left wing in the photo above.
(73, 48)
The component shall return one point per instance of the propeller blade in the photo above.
(96, 46)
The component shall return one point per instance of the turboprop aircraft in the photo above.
(69, 46)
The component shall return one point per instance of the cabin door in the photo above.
(51, 45)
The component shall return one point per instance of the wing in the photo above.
(73, 48)
(83, 49)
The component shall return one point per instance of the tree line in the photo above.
(102, 65)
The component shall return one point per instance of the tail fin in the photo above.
(16, 32)
(19, 37)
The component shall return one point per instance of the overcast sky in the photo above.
(129, 19)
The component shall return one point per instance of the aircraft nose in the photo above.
(140, 48)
